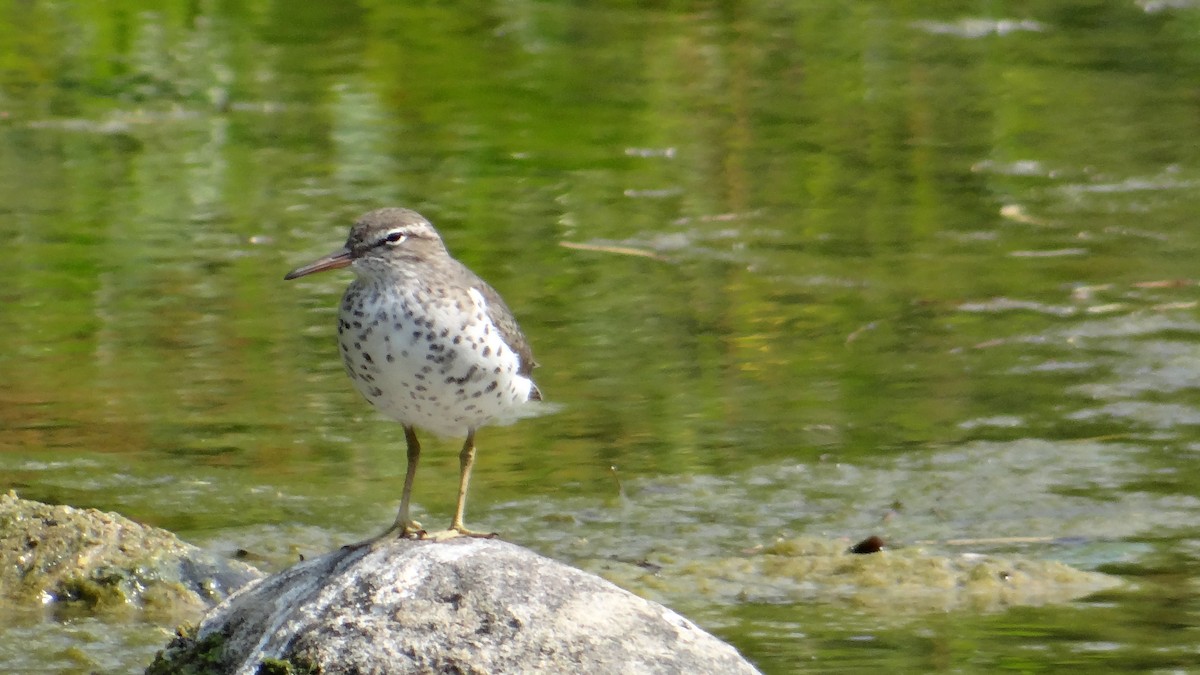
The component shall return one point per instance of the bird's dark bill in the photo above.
(333, 261)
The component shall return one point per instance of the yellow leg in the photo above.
(405, 526)
(466, 460)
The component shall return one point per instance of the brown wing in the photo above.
(500, 315)
(502, 318)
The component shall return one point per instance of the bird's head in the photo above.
(378, 240)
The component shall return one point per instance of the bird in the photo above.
(428, 343)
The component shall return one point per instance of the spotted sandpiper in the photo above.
(427, 342)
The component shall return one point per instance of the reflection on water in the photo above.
(789, 270)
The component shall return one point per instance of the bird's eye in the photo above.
(396, 236)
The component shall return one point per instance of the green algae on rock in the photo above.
(903, 580)
(91, 561)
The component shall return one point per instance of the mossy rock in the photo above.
(89, 561)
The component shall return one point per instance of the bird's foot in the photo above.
(411, 530)
(457, 531)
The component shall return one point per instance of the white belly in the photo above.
(445, 372)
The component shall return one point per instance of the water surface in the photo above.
(791, 269)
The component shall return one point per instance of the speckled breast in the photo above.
(435, 363)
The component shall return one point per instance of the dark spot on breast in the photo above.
(356, 324)
(367, 356)
(491, 386)
(390, 358)
(487, 351)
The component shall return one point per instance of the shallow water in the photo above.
(789, 270)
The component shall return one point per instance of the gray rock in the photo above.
(458, 606)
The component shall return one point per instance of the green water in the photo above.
(829, 269)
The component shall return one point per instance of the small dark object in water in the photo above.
(642, 563)
(647, 565)
(871, 544)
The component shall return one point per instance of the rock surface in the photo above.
(904, 580)
(458, 606)
(61, 555)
